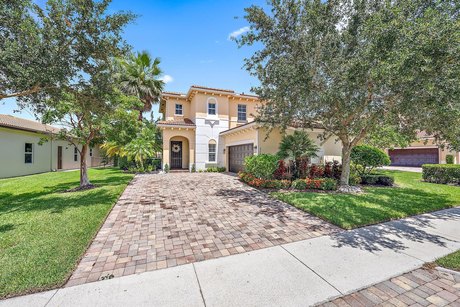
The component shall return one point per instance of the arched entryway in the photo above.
(179, 156)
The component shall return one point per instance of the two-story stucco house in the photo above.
(23, 150)
(215, 127)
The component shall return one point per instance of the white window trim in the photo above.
(212, 100)
(238, 113)
(215, 153)
(31, 153)
(175, 109)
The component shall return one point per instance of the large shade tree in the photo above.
(139, 75)
(43, 47)
(351, 66)
(86, 101)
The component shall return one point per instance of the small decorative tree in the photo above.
(297, 147)
(366, 158)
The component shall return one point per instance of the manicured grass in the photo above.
(44, 232)
(377, 204)
(451, 261)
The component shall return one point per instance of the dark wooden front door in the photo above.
(59, 157)
(176, 154)
(236, 155)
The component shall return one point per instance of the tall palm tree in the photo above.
(139, 75)
(297, 147)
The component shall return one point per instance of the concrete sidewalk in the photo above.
(302, 273)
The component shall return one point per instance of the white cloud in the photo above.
(167, 79)
(238, 32)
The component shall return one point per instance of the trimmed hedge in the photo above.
(441, 173)
(377, 179)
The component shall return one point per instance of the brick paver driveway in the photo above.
(167, 220)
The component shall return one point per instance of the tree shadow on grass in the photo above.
(6, 227)
(56, 203)
(375, 206)
(419, 229)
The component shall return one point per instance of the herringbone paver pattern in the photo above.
(421, 287)
(162, 221)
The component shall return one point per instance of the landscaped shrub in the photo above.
(215, 169)
(354, 179)
(377, 179)
(282, 172)
(441, 173)
(166, 168)
(449, 159)
(316, 171)
(328, 184)
(299, 184)
(336, 169)
(261, 166)
(263, 183)
(365, 158)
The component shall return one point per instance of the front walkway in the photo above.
(166, 220)
(303, 273)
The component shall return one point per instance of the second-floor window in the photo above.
(241, 112)
(212, 108)
(90, 152)
(178, 109)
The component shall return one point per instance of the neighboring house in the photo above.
(22, 151)
(423, 151)
(209, 127)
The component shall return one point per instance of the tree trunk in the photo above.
(141, 116)
(346, 161)
(84, 180)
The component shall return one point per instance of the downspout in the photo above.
(51, 154)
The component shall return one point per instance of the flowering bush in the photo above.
(327, 184)
(263, 183)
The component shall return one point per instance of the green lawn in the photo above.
(44, 232)
(377, 204)
(451, 261)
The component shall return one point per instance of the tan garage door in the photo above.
(236, 155)
(414, 156)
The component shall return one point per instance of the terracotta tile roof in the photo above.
(212, 88)
(10, 121)
(178, 122)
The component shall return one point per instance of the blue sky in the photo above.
(192, 40)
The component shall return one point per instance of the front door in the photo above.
(176, 154)
(59, 157)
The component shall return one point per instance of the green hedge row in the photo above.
(377, 179)
(441, 173)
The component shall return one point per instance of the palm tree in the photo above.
(138, 75)
(297, 147)
(144, 146)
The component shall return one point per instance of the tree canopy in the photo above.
(350, 67)
(44, 49)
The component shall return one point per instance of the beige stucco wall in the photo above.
(329, 149)
(170, 109)
(12, 147)
(244, 137)
(251, 110)
(227, 107)
(188, 150)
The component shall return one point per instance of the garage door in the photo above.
(414, 157)
(236, 155)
